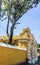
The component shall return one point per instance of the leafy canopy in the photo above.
(16, 8)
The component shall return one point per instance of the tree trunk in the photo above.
(11, 33)
(7, 27)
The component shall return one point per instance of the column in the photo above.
(29, 51)
(32, 53)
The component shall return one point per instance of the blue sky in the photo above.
(30, 19)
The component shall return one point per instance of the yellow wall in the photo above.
(9, 56)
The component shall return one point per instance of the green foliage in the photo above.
(16, 8)
(38, 48)
(38, 45)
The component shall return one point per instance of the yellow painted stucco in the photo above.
(9, 56)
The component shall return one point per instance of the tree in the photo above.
(14, 10)
(38, 45)
(38, 48)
